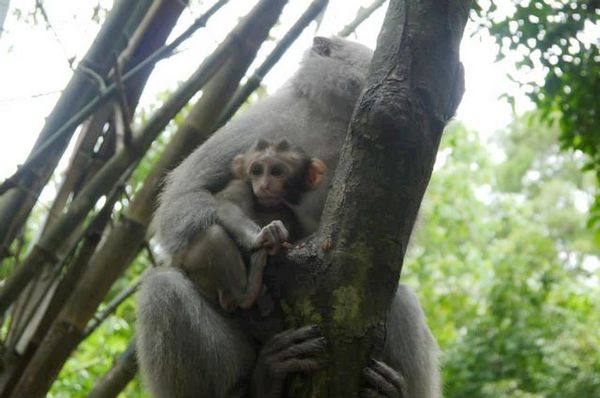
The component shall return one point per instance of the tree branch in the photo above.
(242, 94)
(117, 378)
(362, 14)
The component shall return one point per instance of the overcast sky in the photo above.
(34, 64)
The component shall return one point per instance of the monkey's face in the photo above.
(268, 177)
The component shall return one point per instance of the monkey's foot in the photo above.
(291, 351)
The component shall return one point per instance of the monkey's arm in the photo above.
(234, 213)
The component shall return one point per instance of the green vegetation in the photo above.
(505, 267)
(556, 43)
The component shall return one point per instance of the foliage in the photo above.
(558, 40)
(505, 270)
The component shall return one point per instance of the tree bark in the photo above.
(345, 277)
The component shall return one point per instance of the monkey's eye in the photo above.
(256, 169)
(277, 171)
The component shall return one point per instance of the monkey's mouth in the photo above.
(268, 200)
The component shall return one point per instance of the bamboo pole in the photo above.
(16, 205)
(45, 251)
(150, 35)
(105, 96)
(66, 333)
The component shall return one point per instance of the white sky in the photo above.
(33, 61)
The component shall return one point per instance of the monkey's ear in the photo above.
(237, 167)
(283, 145)
(322, 46)
(314, 175)
(261, 144)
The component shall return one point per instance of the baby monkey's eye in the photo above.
(277, 171)
(256, 169)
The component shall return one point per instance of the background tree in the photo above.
(506, 267)
(556, 45)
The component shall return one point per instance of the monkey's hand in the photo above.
(272, 237)
(382, 382)
(294, 350)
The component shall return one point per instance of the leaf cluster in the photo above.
(560, 40)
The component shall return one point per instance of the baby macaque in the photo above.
(254, 213)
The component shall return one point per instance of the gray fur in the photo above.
(186, 347)
(409, 346)
(313, 109)
(179, 343)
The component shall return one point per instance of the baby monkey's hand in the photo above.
(273, 237)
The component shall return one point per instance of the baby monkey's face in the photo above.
(278, 173)
(268, 176)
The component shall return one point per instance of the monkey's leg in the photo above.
(410, 350)
(185, 347)
(223, 253)
(213, 262)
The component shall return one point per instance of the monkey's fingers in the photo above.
(286, 245)
(291, 336)
(297, 365)
(377, 382)
(277, 231)
(390, 374)
(305, 349)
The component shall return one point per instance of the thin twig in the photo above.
(94, 76)
(362, 14)
(40, 6)
(254, 81)
(87, 110)
(116, 379)
(111, 307)
(122, 111)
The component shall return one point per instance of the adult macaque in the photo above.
(189, 348)
(254, 211)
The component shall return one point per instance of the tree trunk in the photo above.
(345, 277)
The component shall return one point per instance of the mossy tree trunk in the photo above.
(345, 277)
